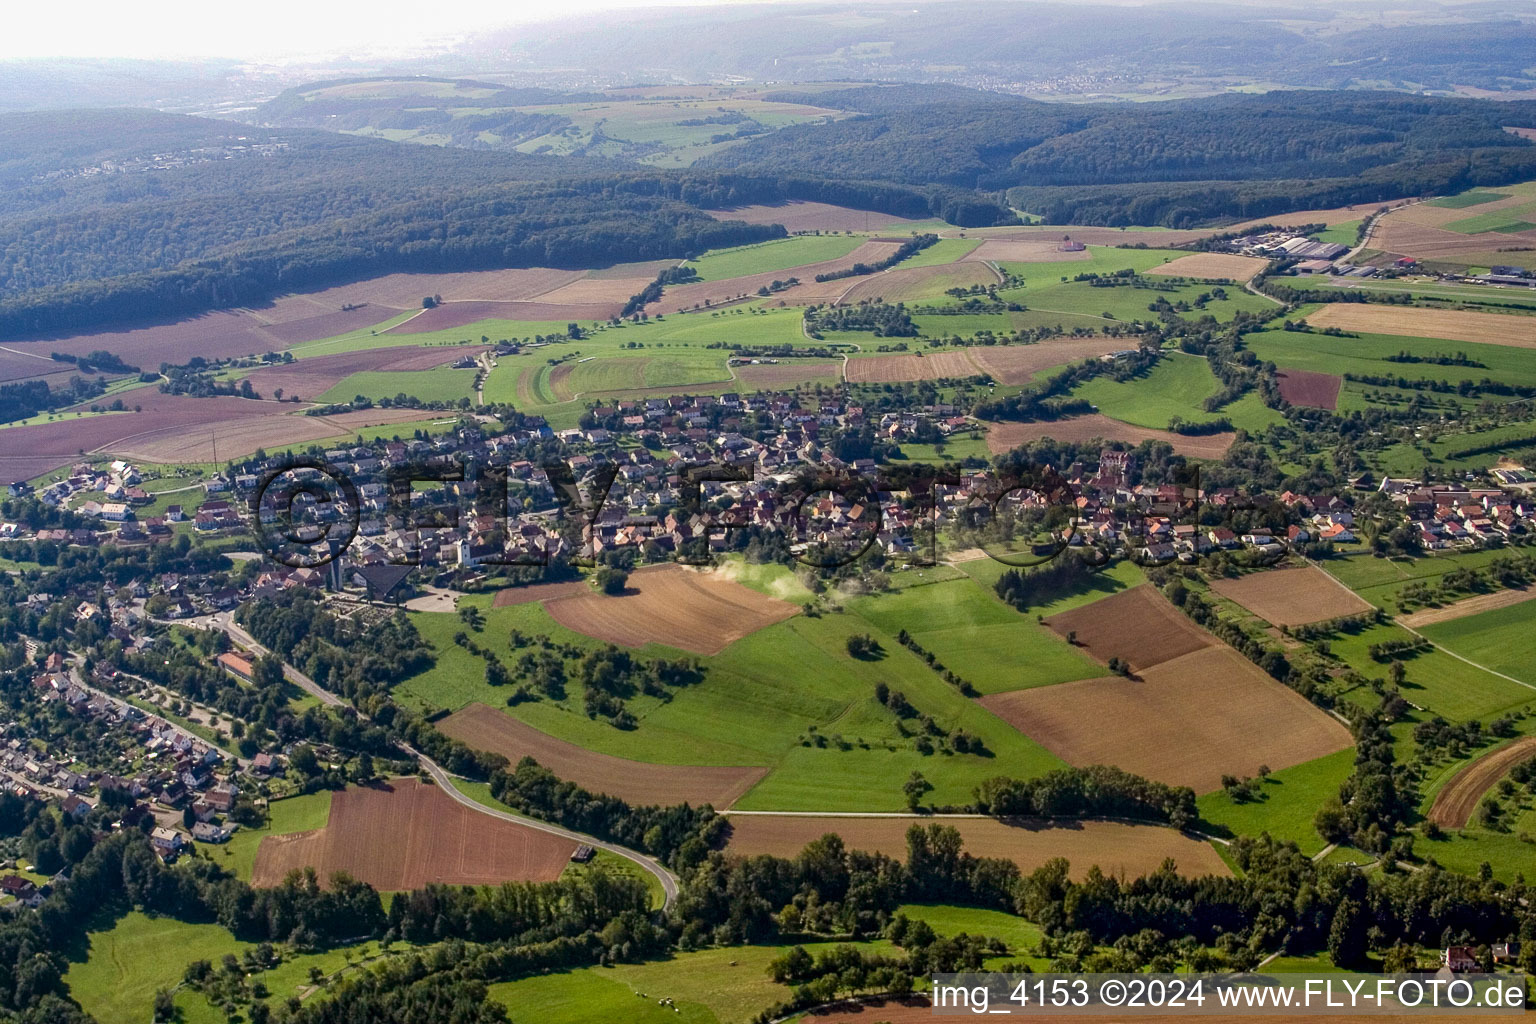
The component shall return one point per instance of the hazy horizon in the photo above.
(184, 30)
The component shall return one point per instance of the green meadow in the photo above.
(439, 384)
(1368, 354)
(772, 698)
(140, 955)
(945, 250)
(1504, 640)
(712, 986)
(1466, 199)
(976, 635)
(779, 254)
(1436, 681)
(1290, 799)
(1175, 386)
(294, 814)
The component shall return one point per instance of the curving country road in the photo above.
(650, 865)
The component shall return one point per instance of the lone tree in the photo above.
(610, 580)
(916, 787)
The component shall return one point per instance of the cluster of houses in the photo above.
(175, 776)
(1446, 517)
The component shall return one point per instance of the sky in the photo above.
(266, 29)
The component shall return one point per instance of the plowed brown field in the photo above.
(1119, 849)
(1186, 721)
(668, 604)
(1455, 803)
(404, 835)
(1137, 626)
(1291, 597)
(637, 782)
(1303, 387)
(1095, 426)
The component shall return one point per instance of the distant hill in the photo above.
(1353, 146)
(114, 216)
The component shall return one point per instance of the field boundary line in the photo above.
(1399, 622)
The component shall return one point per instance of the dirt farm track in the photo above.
(1117, 848)
(640, 783)
(404, 834)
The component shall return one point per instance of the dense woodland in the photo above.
(1177, 163)
(219, 224)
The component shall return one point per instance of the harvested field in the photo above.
(1089, 236)
(768, 376)
(668, 604)
(1509, 329)
(236, 438)
(1298, 218)
(640, 783)
(1097, 427)
(316, 324)
(405, 291)
(1303, 387)
(1186, 721)
(24, 365)
(604, 291)
(1212, 265)
(310, 378)
(312, 315)
(723, 292)
(1455, 803)
(804, 216)
(212, 336)
(886, 369)
(559, 382)
(1420, 230)
(1024, 251)
(1291, 597)
(471, 311)
(906, 284)
(34, 450)
(1127, 851)
(403, 835)
(1466, 606)
(1138, 626)
(645, 270)
(1016, 364)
